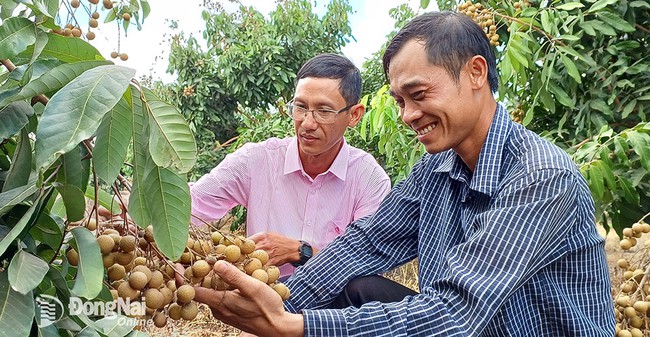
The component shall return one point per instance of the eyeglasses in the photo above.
(321, 116)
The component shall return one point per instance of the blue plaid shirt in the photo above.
(510, 250)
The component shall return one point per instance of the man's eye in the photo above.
(418, 95)
(325, 112)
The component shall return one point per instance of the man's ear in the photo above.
(356, 113)
(477, 70)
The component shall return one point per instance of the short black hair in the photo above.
(337, 67)
(451, 39)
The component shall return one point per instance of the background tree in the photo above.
(250, 62)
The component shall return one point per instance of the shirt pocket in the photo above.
(334, 230)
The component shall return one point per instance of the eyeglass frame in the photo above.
(290, 106)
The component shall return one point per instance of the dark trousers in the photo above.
(370, 288)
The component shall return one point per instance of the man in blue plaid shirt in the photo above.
(501, 221)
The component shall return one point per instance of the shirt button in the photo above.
(313, 191)
(308, 223)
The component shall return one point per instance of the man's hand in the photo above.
(253, 306)
(281, 249)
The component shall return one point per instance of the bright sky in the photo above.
(148, 49)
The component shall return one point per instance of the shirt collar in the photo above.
(339, 167)
(486, 175)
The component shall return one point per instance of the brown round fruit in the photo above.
(217, 283)
(174, 311)
(143, 269)
(261, 275)
(184, 294)
(247, 246)
(252, 265)
(72, 256)
(90, 36)
(95, 15)
(156, 279)
(127, 243)
(116, 272)
(261, 255)
(108, 4)
(168, 294)
(124, 258)
(75, 3)
(126, 292)
(154, 299)
(148, 232)
(216, 237)
(137, 280)
(140, 261)
(126, 16)
(189, 311)
(91, 224)
(232, 253)
(200, 268)
(282, 290)
(124, 57)
(106, 243)
(159, 319)
(274, 274)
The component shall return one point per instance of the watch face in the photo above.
(306, 250)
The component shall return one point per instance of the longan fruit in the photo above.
(114, 294)
(143, 269)
(281, 290)
(200, 268)
(185, 294)
(216, 237)
(171, 284)
(274, 274)
(91, 224)
(76, 32)
(108, 4)
(126, 292)
(157, 279)
(261, 255)
(174, 311)
(232, 253)
(137, 280)
(126, 16)
(95, 15)
(154, 299)
(90, 36)
(124, 258)
(93, 23)
(116, 272)
(168, 294)
(187, 257)
(159, 319)
(251, 265)
(140, 261)
(207, 282)
(148, 232)
(261, 275)
(127, 243)
(641, 306)
(189, 311)
(124, 57)
(75, 3)
(217, 283)
(142, 242)
(219, 249)
(623, 263)
(247, 246)
(106, 243)
(72, 256)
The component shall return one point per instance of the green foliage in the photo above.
(250, 62)
(69, 118)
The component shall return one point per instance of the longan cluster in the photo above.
(633, 300)
(483, 17)
(137, 271)
(518, 114)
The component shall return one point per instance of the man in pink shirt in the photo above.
(301, 192)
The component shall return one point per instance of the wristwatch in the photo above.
(306, 253)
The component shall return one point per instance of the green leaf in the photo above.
(90, 271)
(21, 167)
(629, 192)
(70, 50)
(616, 21)
(598, 5)
(596, 183)
(39, 45)
(640, 4)
(112, 142)
(168, 198)
(15, 196)
(14, 117)
(569, 6)
(116, 326)
(424, 3)
(571, 68)
(16, 34)
(170, 140)
(640, 145)
(628, 108)
(26, 271)
(17, 229)
(48, 230)
(138, 200)
(103, 197)
(54, 79)
(74, 201)
(547, 23)
(70, 171)
(74, 112)
(561, 95)
(601, 106)
(146, 9)
(16, 310)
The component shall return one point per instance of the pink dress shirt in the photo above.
(268, 179)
